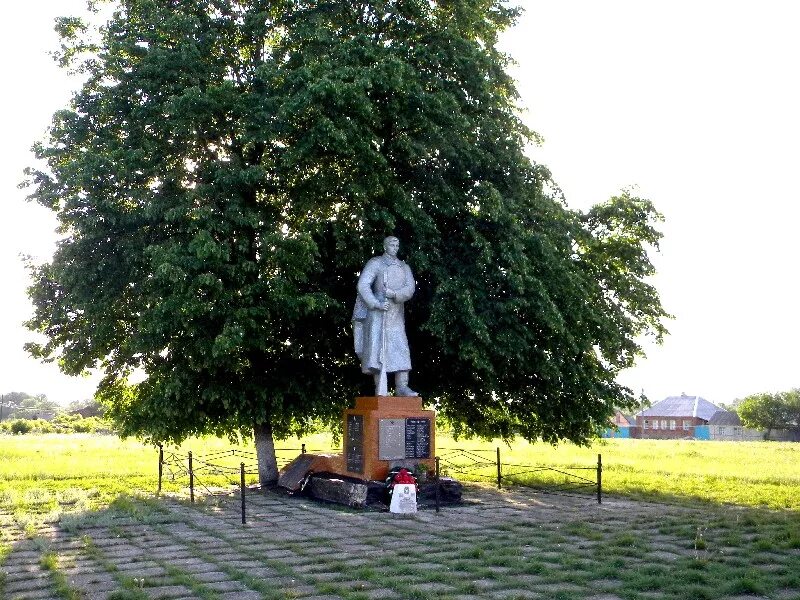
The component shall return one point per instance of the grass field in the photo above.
(46, 475)
(746, 473)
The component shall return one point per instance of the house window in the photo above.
(686, 425)
(646, 424)
(663, 423)
(655, 423)
(672, 424)
(737, 431)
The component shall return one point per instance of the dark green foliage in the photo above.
(19, 426)
(230, 165)
(770, 411)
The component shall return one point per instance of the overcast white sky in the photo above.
(696, 103)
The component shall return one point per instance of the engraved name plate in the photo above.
(391, 439)
(354, 443)
(418, 438)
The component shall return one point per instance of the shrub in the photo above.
(42, 426)
(62, 423)
(20, 426)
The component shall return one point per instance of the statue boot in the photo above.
(380, 390)
(401, 385)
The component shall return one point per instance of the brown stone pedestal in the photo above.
(386, 431)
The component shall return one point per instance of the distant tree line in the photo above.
(21, 406)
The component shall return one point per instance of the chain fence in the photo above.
(488, 466)
(217, 472)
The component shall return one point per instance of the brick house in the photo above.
(676, 417)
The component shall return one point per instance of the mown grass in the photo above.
(45, 476)
(763, 474)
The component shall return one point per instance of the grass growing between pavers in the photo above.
(694, 550)
(631, 553)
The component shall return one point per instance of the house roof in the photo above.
(725, 417)
(682, 406)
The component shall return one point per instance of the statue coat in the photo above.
(379, 274)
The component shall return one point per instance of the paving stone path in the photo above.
(297, 548)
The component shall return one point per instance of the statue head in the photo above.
(391, 245)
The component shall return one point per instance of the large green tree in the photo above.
(229, 165)
(768, 411)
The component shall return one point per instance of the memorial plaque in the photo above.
(391, 439)
(418, 438)
(354, 443)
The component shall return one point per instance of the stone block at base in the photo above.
(340, 491)
(293, 474)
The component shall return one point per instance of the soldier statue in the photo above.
(379, 331)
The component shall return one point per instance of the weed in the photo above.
(763, 544)
(584, 530)
(128, 594)
(476, 552)
(700, 543)
(747, 584)
(49, 562)
(690, 591)
(182, 577)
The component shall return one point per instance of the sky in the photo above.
(695, 104)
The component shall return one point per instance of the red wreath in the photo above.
(403, 476)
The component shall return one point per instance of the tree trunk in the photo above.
(265, 451)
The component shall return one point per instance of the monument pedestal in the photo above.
(382, 432)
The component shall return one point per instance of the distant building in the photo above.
(624, 424)
(726, 425)
(677, 417)
(93, 410)
(688, 418)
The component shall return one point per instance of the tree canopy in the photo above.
(229, 165)
(768, 411)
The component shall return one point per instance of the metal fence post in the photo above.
(599, 479)
(241, 471)
(160, 465)
(438, 484)
(499, 471)
(191, 478)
